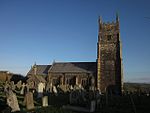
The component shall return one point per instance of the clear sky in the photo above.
(42, 31)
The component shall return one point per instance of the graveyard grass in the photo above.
(56, 108)
(115, 104)
(38, 109)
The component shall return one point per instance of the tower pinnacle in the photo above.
(100, 23)
(100, 20)
(117, 17)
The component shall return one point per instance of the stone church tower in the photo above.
(109, 57)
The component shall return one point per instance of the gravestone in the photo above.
(51, 87)
(6, 87)
(45, 101)
(19, 84)
(41, 87)
(71, 87)
(12, 101)
(48, 87)
(29, 102)
(93, 106)
(63, 88)
(12, 85)
(22, 89)
(55, 89)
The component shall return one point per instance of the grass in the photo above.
(116, 104)
(56, 101)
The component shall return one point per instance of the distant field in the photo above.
(131, 87)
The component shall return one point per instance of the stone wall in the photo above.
(71, 79)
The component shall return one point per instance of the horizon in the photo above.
(64, 31)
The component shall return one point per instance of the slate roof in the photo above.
(36, 78)
(87, 67)
(41, 70)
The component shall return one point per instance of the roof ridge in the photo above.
(75, 62)
(42, 65)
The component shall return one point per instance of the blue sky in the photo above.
(42, 31)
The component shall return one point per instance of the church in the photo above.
(105, 74)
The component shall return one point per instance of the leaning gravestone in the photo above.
(12, 101)
(29, 101)
(45, 101)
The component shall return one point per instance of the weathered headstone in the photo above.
(12, 101)
(13, 87)
(45, 101)
(29, 102)
(41, 87)
(55, 89)
(71, 87)
(6, 87)
(51, 87)
(22, 89)
(47, 88)
(19, 84)
(93, 106)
